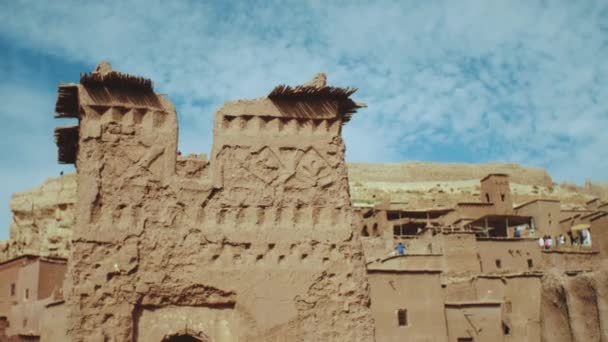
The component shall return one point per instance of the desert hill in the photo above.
(43, 217)
(428, 185)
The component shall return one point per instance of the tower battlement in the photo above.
(264, 226)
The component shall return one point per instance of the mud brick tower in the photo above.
(255, 244)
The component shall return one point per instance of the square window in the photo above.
(498, 263)
(530, 263)
(402, 317)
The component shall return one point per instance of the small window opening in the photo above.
(502, 197)
(530, 263)
(27, 293)
(392, 215)
(465, 339)
(364, 232)
(487, 197)
(397, 230)
(12, 289)
(505, 329)
(498, 263)
(402, 317)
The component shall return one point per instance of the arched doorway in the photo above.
(186, 335)
(181, 338)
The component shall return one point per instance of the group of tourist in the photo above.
(580, 238)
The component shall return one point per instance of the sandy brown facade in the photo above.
(28, 284)
(254, 244)
(467, 276)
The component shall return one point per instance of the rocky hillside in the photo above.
(428, 185)
(43, 217)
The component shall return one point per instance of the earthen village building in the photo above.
(261, 241)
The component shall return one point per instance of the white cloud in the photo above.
(522, 81)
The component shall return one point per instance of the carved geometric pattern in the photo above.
(265, 165)
(270, 124)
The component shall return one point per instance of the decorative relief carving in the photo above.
(284, 125)
(293, 168)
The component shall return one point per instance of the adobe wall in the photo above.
(372, 222)
(460, 254)
(518, 295)
(408, 262)
(521, 303)
(417, 292)
(482, 322)
(261, 250)
(459, 289)
(24, 318)
(52, 274)
(495, 189)
(599, 236)
(28, 281)
(469, 211)
(376, 248)
(574, 308)
(53, 323)
(570, 260)
(512, 255)
(546, 215)
(10, 273)
(3, 327)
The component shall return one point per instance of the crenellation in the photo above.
(265, 125)
(273, 124)
(111, 115)
(289, 126)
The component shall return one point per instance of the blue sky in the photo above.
(470, 81)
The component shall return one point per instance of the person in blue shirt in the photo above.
(400, 248)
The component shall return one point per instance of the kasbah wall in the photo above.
(262, 243)
(259, 247)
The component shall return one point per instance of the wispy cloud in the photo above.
(520, 81)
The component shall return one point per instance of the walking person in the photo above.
(400, 248)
